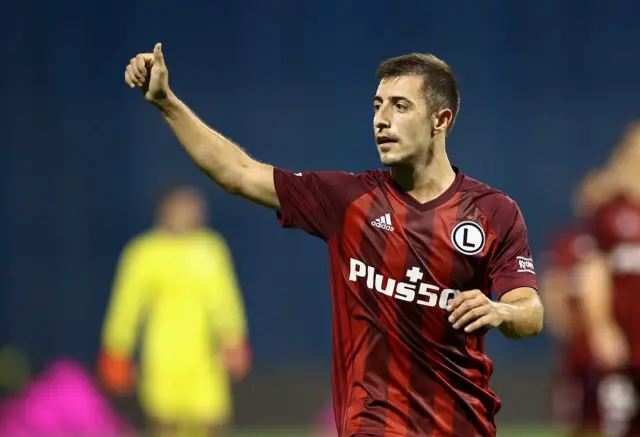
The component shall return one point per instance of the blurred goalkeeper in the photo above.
(178, 277)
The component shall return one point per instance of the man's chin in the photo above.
(386, 159)
(390, 161)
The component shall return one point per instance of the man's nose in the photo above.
(381, 121)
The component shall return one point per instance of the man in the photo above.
(575, 400)
(179, 279)
(414, 254)
(611, 280)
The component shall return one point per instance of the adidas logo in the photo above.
(383, 222)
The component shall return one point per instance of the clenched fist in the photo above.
(148, 72)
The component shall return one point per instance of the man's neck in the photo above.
(177, 230)
(425, 182)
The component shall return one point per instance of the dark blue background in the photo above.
(547, 87)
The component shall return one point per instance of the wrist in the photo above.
(166, 104)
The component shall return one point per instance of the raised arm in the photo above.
(222, 160)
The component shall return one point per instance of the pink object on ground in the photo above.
(324, 423)
(62, 401)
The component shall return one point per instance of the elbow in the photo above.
(536, 326)
(231, 175)
(524, 332)
(233, 187)
(536, 323)
(529, 327)
(236, 179)
(230, 180)
(539, 325)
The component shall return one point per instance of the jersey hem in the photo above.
(373, 432)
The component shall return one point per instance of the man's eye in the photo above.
(401, 107)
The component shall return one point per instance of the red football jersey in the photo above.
(569, 248)
(399, 367)
(616, 228)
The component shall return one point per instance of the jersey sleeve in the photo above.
(128, 299)
(315, 201)
(511, 266)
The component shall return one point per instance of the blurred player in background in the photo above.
(611, 283)
(177, 278)
(415, 252)
(575, 401)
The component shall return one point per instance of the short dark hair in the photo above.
(440, 86)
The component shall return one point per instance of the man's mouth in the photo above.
(382, 139)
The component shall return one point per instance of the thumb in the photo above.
(158, 57)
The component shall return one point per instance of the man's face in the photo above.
(184, 211)
(401, 122)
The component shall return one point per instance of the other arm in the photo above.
(518, 312)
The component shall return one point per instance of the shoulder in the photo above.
(500, 210)
(143, 240)
(140, 245)
(369, 177)
(214, 239)
(617, 219)
(211, 235)
(334, 181)
(607, 217)
(367, 182)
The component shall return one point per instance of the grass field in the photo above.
(503, 431)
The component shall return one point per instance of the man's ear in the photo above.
(441, 120)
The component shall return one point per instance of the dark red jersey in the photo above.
(567, 250)
(399, 367)
(616, 228)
